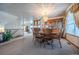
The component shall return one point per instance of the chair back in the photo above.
(35, 31)
(56, 33)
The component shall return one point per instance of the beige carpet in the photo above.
(26, 47)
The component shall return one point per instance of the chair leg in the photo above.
(44, 44)
(51, 43)
(34, 42)
(33, 38)
(40, 43)
(60, 43)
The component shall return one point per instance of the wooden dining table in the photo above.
(46, 36)
(49, 34)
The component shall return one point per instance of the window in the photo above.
(71, 27)
(1, 28)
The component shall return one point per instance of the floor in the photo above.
(26, 47)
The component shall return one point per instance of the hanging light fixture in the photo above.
(45, 18)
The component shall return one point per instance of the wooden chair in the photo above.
(37, 37)
(47, 38)
(35, 32)
(56, 34)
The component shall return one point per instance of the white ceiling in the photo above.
(29, 10)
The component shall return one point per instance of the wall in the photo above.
(73, 39)
(9, 21)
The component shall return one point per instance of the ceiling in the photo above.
(29, 10)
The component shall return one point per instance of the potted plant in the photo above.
(7, 36)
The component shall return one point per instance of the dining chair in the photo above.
(35, 32)
(37, 37)
(56, 34)
(47, 38)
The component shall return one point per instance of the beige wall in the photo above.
(73, 39)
